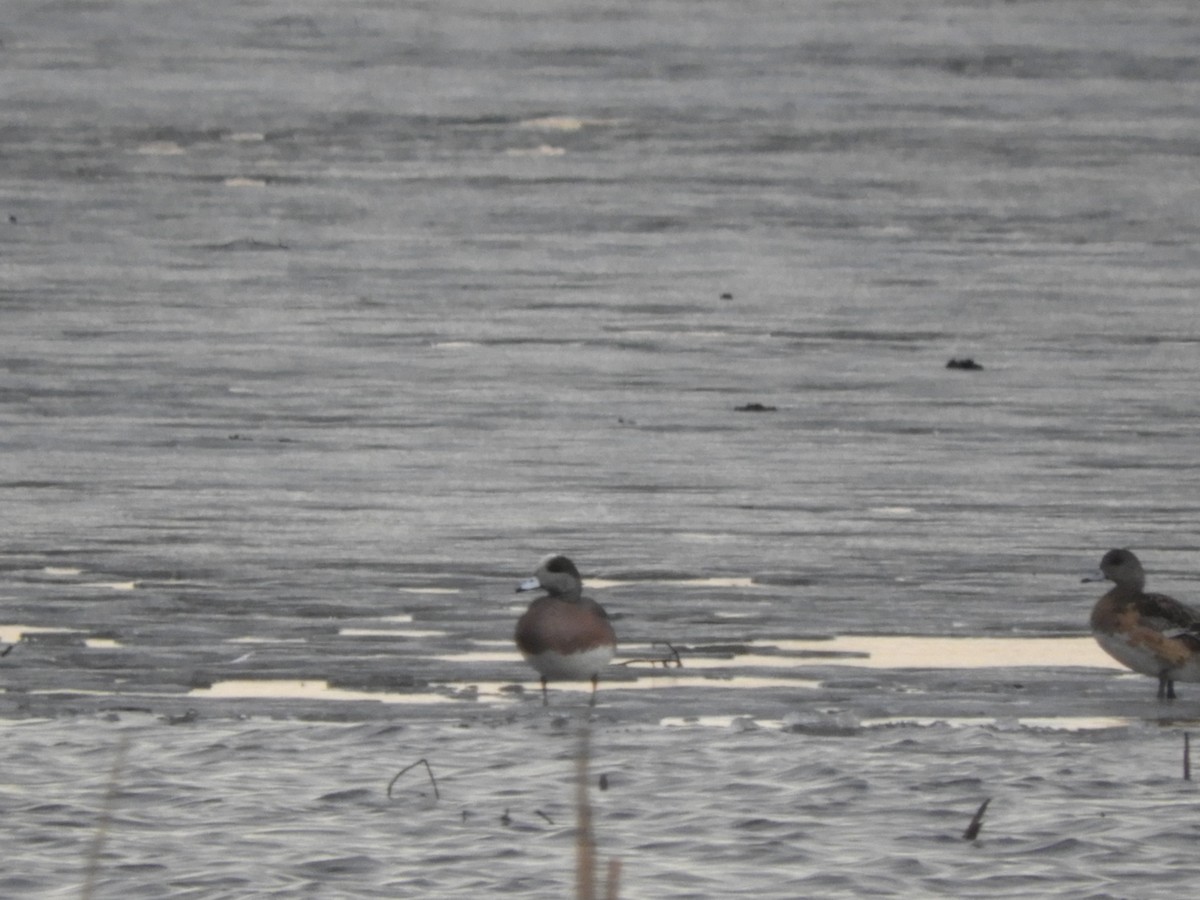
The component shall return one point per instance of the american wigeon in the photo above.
(564, 635)
(1153, 634)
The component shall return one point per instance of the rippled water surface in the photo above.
(324, 322)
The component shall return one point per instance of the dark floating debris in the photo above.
(972, 831)
(966, 364)
(1187, 756)
(349, 795)
(240, 245)
(755, 408)
(726, 296)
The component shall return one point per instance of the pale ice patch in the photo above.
(290, 689)
(892, 510)
(918, 652)
(1053, 723)
(736, 581)
(540, 150)
(159, 148)
(390, 632)
(564, 123)
(11, 634)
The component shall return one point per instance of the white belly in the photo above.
(1141, 659)
(571, 666)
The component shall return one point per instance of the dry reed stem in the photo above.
(585, 837)
(585, 844)
(92, 871)
(613, 887)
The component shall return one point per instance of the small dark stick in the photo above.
(420, 762)
(972, 831)
(1187, 757)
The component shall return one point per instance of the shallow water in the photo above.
(324, 323)
(229, 807)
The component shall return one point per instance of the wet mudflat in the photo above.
(324, 323)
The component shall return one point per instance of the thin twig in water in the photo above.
(544, 816)
(1187, 757)
(420, 762)
(105, 821)
(972, 831)
(673, 657)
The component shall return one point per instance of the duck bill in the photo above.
(529, 584)
(1095, 576)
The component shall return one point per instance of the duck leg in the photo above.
(1166, 687)
(546, 697)
(595, 684)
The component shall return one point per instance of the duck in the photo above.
(564, 635)
(1153, 634)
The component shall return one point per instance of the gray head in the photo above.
(557, 576)
(1122, 568)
